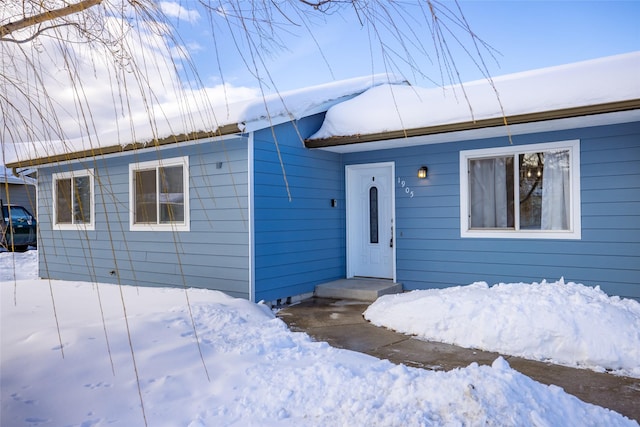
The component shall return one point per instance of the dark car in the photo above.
(18, 228)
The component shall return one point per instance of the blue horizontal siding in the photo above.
(605, 222)
(509, 258)
(300, 238)
(599, 209)
(518, 246)
(214, 254)
(610, 195)
(299, 243)
(283, 248)
(431, 254)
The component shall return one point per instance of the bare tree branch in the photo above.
(49, 15)
(316, 4)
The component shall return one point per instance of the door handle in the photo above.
(391, 241)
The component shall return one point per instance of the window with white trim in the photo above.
(73, 200)
(159, 195)
(529, 191)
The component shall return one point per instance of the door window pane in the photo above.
(373, 215)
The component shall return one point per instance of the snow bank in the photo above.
(18, 266)
(564, 323)
(260, 372)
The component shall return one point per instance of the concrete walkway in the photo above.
(340, 323)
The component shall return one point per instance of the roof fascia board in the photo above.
(496, 122)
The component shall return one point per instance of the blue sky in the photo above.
(525, 35)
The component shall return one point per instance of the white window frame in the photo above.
(575, 228)
(155, 164)
(71, 175)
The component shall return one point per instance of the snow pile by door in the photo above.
(564, 323)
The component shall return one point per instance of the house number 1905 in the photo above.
(403, 184)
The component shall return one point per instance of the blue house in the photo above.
(532, 176)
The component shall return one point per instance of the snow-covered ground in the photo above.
(128, 348)
(564, 323)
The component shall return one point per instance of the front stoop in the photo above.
(359, 289)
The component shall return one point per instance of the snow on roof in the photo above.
(377, 104)
(242, 116)
(389, 107)
(299, 103)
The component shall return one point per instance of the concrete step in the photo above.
(360, 289)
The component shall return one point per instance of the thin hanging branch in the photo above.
(38, 33)
(55, 316)
(260, 24)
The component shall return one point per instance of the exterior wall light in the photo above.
(422, 172)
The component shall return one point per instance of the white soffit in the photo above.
(492, 132)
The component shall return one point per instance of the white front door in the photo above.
(370, 220)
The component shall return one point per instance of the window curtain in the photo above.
(555, 191)
(488, 182)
